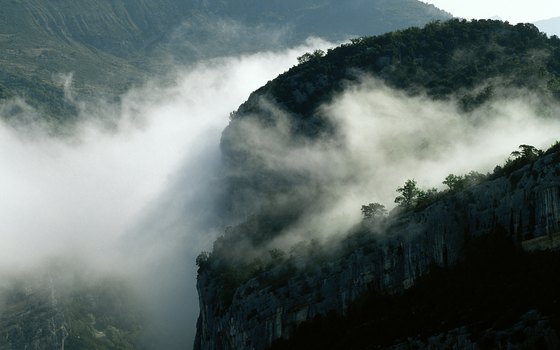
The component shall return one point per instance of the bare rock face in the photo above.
(524, 204)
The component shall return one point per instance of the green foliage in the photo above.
(409, 194)
(458, 183)
(426, 197)
(454, 182)
(527, 152)
(518, 159)
(306, 57)
(467, 61)
(373, 211)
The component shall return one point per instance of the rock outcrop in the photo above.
(524, 204)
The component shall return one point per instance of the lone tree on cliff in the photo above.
(409, 194)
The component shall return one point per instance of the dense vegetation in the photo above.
(412, 197)
(465, 61)
(471, 61)
(491, 288)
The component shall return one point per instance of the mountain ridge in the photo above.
(254, 290)
(110, 46)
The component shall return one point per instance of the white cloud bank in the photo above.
(130, 197)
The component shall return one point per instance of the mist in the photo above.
(132, 189)
(129, 190)
(384, 137)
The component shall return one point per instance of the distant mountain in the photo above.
(60, 309)
(550, 26)
(102, 42)
(110, 45)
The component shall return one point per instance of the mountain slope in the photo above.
(467, 62)
(110, 45)
(358, 292)
(269, 272)
(101, 43)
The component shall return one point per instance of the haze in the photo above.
(512, 11)
(117, 198)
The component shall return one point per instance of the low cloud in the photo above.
(384, 137)
(128, 190)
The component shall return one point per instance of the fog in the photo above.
(132, 189)
(384, 137)
(128, 190)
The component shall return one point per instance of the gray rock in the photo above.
(524, 204)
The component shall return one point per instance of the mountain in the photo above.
(390, 282)
(272, 276)
(101, 43)
(58, 308)
(467, 62)
(550, 26)
(109, 46)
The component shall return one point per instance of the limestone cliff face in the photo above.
(524, 204)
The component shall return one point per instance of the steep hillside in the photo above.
(344, 295)
(59, 309)
(108, 45)
(266, 275)
(101, 43)
(329, 19)
(467, 62)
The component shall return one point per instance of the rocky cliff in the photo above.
(273, 181)
(386, 258)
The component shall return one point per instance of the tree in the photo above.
(473, 178)
(409, 194)
(306, 57)
(525, 155)
(373, 210)
(426, 197)
(454, 182)
(527, 152)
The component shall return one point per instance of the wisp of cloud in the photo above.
(384, 137)
(134, 198)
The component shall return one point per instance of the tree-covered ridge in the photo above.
(458, 60)
(469, 60)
